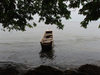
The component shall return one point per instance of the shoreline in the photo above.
(11, 68)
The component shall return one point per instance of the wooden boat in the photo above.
(47, 40)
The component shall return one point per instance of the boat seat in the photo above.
(48, 31)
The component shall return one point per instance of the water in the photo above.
(73, 46)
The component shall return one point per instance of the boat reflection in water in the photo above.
(47, 54)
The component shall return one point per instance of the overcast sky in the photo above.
(77, 17)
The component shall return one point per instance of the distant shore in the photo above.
(11, 68)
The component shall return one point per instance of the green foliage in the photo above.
(92, 12)
(16, 14)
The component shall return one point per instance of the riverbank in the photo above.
(10, 68)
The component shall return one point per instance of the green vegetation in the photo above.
(16, 14)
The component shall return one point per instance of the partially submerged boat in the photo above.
(47, 40)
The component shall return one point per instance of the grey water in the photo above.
(73, 46)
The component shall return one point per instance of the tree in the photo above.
(16, 14)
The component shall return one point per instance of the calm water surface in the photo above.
(73, 46)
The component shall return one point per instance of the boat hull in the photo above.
(47, 41)
(47, 46)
